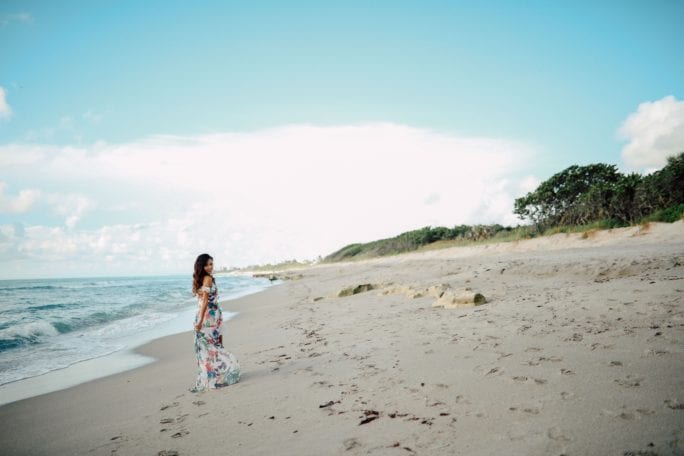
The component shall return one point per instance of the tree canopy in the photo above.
(580, 195)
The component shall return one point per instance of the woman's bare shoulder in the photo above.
(207, 281)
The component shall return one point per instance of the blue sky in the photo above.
(551, 82)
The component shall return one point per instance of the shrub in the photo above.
(668, 215)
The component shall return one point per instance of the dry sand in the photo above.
(578, 351)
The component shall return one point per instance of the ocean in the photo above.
(51, 324)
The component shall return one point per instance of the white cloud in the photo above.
(14, 155)
(290, 192)
(5, 109)
(528, 184)
(18, 204)
(654, 132)
(70, 206)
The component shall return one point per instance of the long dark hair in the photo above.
(200, 273)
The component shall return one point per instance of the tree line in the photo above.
(580, 195)
(596, 194)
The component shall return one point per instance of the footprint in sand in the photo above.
(179, 418)
(626, 416)
(567, 396)
(574, 338)
(631, 381)
(526, 410)
(651, 352)
(543, 359)
(489, 371)
(166, 406)
(181, 433)
(629, 415)
(523, 328)
(350, 444)
(596, 345)
(674, 404)
(460, 399)
(557, 434)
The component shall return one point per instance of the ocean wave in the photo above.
(68, 286)
(57, 321)
(27, 333)
(90, 320)
(30, 288)
(47, 307)
(50, 324)
(7, 344)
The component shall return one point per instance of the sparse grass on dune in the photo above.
(516, 234)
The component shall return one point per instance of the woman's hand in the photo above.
(198, 326)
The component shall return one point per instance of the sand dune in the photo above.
(578, 350)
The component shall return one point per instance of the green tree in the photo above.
(563, 200)
(622, 206)
(661, 189)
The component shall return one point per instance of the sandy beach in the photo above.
(578, 351)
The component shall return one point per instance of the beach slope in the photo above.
(578, 350)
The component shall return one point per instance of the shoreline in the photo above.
(120, 360)
(578, 350)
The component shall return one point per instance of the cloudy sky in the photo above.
(136, 135)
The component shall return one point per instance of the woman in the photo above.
(215, 366)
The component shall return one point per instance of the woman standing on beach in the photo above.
(215, 366)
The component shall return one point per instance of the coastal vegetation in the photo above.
(580, 195)
(577, 199)
(282, 266)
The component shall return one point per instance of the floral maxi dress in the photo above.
(215, 366)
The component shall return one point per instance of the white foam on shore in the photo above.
(116, 362)
(73, 375)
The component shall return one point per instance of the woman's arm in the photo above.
(203, 308)
(205, 300)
